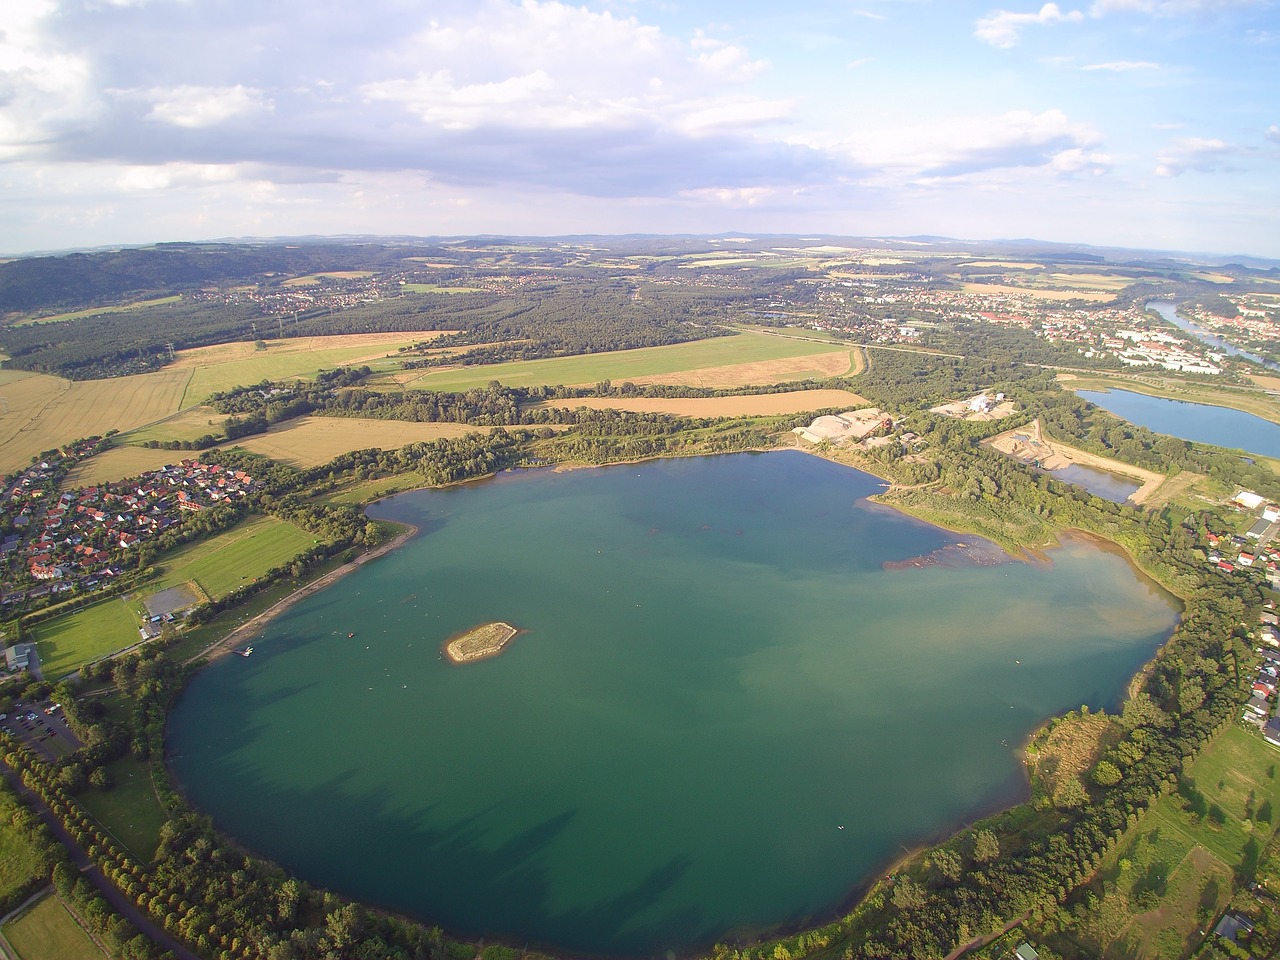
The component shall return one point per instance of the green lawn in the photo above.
(621, 365)
(371, 490)
(1172, 872)
(48, 932)
(129, 810)
(68, 642)
(231, 559)
(21, 861)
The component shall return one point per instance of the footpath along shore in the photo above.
(251, 627)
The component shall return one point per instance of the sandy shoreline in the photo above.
(250, 628)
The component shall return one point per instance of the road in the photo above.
(121, 903)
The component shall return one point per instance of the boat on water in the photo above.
(245, 652)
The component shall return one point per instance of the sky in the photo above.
(1140, 123)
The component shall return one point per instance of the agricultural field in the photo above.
(129, 810)
(42, 412)
(229, 560)
(68, 642)
(48, 932)
(226, 365)
(309, 441)
(436, 288)
(120, 462)
(21, 862)
(312, 279)
(689, 363)
(1040, 293)
(1173, 871)
(765, 405)
(188, 424)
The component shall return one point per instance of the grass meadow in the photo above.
(21, 863)
(129, 810)
(231, 559)
(68, 642)
(683, 361)
(48, 932)
(1173, 871)
(227, 365)
(764, 405)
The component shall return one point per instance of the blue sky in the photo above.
(1142, 123)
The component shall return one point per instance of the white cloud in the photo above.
(1123, 66)
(1273, 133)
(1200, 154)
(1164, 8)
(961, 146)
(188, 106)
(1003, 28)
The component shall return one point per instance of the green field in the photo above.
(1173, 871)
(129, 810)
(21, 862)
(225, 366)
(68, 642)
(232, 559)
(622, 365)
(48, 932)
(370, 490)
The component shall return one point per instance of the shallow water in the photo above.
(726, 715)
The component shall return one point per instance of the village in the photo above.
(82, 539)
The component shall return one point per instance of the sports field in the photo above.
(226, 365)
(765, 405)
(68, 642)
(309, 441)
(232, 559)
(42, 412)
(682, 362)
(48, 932)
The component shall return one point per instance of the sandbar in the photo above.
(485, 640)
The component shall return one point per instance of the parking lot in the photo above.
(45, 732)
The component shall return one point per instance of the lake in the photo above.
(744, 690)
(1101, 483)
(1200, 422)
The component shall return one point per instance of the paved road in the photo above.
(121, 903)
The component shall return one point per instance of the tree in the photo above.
(1106, 774)
(986, 846)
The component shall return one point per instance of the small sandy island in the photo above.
(486, 640)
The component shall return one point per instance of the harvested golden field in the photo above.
(43, 412)
(121, 462)
(309, 441)
(816, 366)
(997, 290)
(767, 405)
(1266, 383)
(224, 366)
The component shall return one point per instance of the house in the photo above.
(1026, 952)
(22, 656)
(1257, 530)
(1232, 925)
(1271, 512)
(1258, 705)
(1271, 731)
(1246, 559)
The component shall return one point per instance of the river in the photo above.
(1169, 311)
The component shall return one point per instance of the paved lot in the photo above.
(47, 734)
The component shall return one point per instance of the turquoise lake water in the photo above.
(719, 674)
